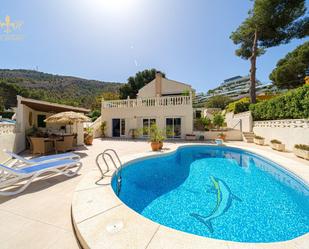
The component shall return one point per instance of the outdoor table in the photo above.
(54, 139)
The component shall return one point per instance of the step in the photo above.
(248, 137)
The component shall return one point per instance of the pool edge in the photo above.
(162, 236)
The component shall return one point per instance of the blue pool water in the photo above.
(7, 121)
(218, 192)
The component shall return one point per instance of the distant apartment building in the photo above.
(235, 88)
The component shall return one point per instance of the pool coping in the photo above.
(101, 220)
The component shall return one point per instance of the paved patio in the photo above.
(40, 217)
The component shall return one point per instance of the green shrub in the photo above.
(302, 147)
(218, 120)
(275, 141)
(202, 124)
(291, 105)
(241, 105)
(218, 101)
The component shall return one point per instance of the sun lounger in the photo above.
(10, 176)
(50, 158)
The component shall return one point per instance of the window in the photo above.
(147, 123)
(198, 114)
(173, 127)
(123, 127)
(41, 122)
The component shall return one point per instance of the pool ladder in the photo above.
(111, 154)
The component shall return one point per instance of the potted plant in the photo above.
(88, 136)
(221, 136)
(155, 137)
(302, 150)
(258, 140)
(103, 128)
(277, 145)
(161, 139)
(190, 137)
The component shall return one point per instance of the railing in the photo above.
(238, 123)
(114, 159)
(148, 102)
(96, 125)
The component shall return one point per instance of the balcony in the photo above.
(148, 102)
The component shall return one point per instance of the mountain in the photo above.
(49, 87)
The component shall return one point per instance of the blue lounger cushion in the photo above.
(43, 166)
(53, 157)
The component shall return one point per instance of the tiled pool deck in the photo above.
(40, 217)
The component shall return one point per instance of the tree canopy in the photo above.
(290, 70)
(270, 23)
(219, 101)
(137, 82)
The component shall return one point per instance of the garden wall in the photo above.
(232, 119)
(231, 135)
(288, 131)
(8, 140)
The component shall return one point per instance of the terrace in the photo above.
(148, 102)
(47, 224)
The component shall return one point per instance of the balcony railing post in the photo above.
(128, 101)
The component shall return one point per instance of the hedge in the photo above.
(241, 105)
(292, 105)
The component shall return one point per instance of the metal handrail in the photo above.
(108, 153)
(240, 124)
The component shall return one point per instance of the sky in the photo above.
(111, 40)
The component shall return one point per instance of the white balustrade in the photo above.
(7, 128)
(286, 123)
(148, 102)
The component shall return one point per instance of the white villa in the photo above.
(161, 102)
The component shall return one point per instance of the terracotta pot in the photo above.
(301, 153)
(160, 145)
(222, 137)
(88, 140)
(155, 146)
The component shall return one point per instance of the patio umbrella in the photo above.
(67, 118)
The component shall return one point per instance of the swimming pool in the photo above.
(7, 121)
(218, 192)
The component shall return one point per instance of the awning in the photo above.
(45, 106)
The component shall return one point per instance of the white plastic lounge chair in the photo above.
(9, 176)
(41, 159)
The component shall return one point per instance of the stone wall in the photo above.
(231, 135)
(7, 140)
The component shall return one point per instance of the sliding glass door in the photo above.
(173, 127)
(147, 123)
(119, 127)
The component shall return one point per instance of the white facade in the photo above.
(161, 102)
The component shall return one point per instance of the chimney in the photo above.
(158, 83)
